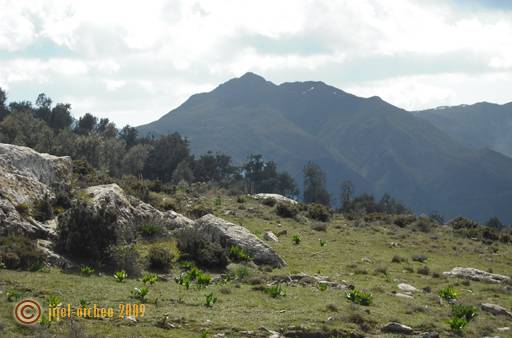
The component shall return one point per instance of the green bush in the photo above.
(296, 239)
(448, 293)
(159, 259)
(87, 271)
(467, 312)
(125, 258)
(286, 210)
(210, 300)
(149, 278)
(150, 231)
(19, 252)
(457, 324)
(319, 212)
(237, 254)
(120, 276)
(360, 297)
(193, 246)
(140, 293)
(275, 291)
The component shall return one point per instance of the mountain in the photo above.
(480, 125)
(378, 146)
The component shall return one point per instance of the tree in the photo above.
(314, 185)
(495, 222)
(129, 135)
(167, 152)
(86, 124)
(3, 107)
(263, 177)
(61, 116)
(213, 168)
(347, 190)
(134, 159)
(44, 108)
(23, 129)
(110, 155)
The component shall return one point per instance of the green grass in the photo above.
(246, 307)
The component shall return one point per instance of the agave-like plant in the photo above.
(150, 278)
(120, 276)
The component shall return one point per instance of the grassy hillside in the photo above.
(371, 254)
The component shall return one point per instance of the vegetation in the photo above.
(87, 271)
(120, 276)
(193, 246)
(19, 252)
(448, 293)
(360, 297)
(276, 291)
(159, 259)
(237, 254)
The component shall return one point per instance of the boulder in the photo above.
(407, 287)
(496, 309)
(226, 234)
(53, 258)
(275, 197)
(476, 275)
(132, 212)
(394, 327)
(270, 236)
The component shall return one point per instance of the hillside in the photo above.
(379, 147)
(480, 125)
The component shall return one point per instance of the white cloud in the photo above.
(160, 51)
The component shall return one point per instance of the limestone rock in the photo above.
(275, 197)
(226, 234)
(270, 236)
(407, 287)
(476, 275)
(394, 327)
(496, 309)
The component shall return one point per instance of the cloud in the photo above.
(133, 61)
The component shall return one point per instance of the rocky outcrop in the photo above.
(496, 310)
(394, 327)
(227, 234)
(130, 211)
(275, 197)
(476, 275)
(27, 176)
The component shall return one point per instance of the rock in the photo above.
(270, 236)
(394, 327)
(503, 329)
(407, 287)
(275, 197)
(432, 334)
(282, 232)
(476, 275)
(404, 295)
(496, 309)
(132, 212)
(51, 257)
(226, 234)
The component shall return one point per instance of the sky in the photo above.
(133, 61)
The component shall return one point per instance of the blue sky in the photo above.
(133, 61)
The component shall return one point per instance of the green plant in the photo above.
(323, 242)
(54, 301)
(359, 297)
(275, 291)
(203, 280)
(12, 295)
(183, 280)
(210, 300)
(237, 254)
(286, 210)
(86, 270)
(194, 246)
(322, 286)
(2, 266)
(20, 252)
(159, 259)
(149, 278)
(448, 293)
(467, 312)
(205, 334)
(84, 303)
(186, 265)
(120, 276)
(319, 212)
(296, 239)
(150, 230)
(140, 293)
(457, 324)
(45, 321)
(218, 201)
(124, 257)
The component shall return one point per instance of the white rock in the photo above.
(275, 197)
(270, 236)
(404, 295)
(496, 309)
(477, 275)
(407, 287)
(394, 327)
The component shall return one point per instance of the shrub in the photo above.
(140, 293)
(237, 254)
(210, 299)
(268, 202)
(43, 210)
(120, 276)
(194, 246)
(457, 324)
(467, 312)
(448, 293)
(159, 259)
(319, 212)
(23, 209)
(149, 231)
(424, 270)
(53, 301)
(199, 210)
(296, 239)
(203, 280)
(275, 291)
(322, 286)
(404, 220)
(87, 271)
(323, 242)
(86, 233)
(462, 223)
(149, 278)
(240, 199)
(360, 297)
(19, 252)
(423, 224)
(125, 258)
(286, 210)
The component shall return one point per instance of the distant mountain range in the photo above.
(480, 125)
(379, 147)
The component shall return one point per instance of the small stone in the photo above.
(407, 287)
(496, 309)
(404, 295)
(270, 236)
(394, 327)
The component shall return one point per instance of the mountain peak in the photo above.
(250, 76)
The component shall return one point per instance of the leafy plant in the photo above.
(210, 300)
(203, 280)
(12, 295)
(120, 276)
(467, 312)
(205, 334)
(150, 278)
(140, 293)
(275, 291)
(457, 324)
(448, 293)
(323, 242)
(84, 303)
(360, 297)
(237, 254)
(150, 230)
(322, 286)
(54, 301)
(184, 280)
(159, 259)
(86, 270)
(296, 239)
(218, 201)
